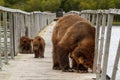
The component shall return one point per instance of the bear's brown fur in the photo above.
(84, 52)
(66, 36)
(38, 47)
(25, 45)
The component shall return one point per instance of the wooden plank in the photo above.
(40, 21)
(116, 63)
(11, 35)
(21, 25)
(31, 25)
(18, 30)
(101, 47)
(0, 43)
(96, 42)
(107, 45)
(5, 36)
(35, 24)
(15, 32)
(88, 16)
(93, 19)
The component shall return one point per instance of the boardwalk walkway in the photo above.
(25, 67)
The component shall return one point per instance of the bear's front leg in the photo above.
(36, 54)
(62, 55)
(56, 65)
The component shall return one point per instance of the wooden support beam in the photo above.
(5, 36)
(0, 42)
(96, 42)
(101, 47)
(11, 35)
(116, 63)
(107, 45)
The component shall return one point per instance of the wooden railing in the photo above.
(13, 24)
(101, 19)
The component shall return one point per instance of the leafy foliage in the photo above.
(54, 5)
(1, 2)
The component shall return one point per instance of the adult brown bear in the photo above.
(25, 45)
(38, 47)
(68, 33)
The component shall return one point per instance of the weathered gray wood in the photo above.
(116, 63)
(18, 30)
(0, 43)
(28, 25)
(32, 25)
(93, 19)
(101, 47)
(22, 25)
(11, 35)
(89, 17)
(15, 32)
(5, 36)
(96, 42)
(40, 22)
(107, 45)
(35, 23)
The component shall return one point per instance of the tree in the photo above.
(1, 2)
(43, 5)
(117, 4)
(87, 4)
(19, 4)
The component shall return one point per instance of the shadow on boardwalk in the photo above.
(25, 67)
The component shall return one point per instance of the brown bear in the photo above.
(25, 45)
(68, 33)
(38, 47)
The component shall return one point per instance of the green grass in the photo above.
(116, 23)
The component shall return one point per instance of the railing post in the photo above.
(26, 24)
(37, 23)
(31, 25)
(107, 45)
(0, 43)
(15, 32)
(11, 35)
(40, 21)
(22, 25)
(101, 47)
(93, 19)
(116, 63)
(96, 42)
(18, 31)
(5, 36)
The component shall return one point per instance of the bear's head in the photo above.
(84, 55)
(36, 43)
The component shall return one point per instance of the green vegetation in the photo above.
(54, 5)
(66, 5)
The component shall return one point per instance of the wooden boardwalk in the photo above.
(25, 67)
